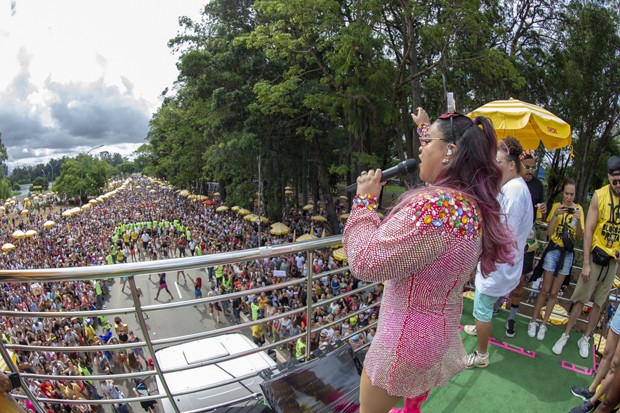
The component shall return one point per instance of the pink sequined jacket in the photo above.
(425, 253)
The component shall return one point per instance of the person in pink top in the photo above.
(425, 250)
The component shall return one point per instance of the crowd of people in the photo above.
(144, 221)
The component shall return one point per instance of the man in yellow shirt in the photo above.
(601, 243)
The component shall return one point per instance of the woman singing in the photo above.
(425, 250)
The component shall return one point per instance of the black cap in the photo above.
(613, 165)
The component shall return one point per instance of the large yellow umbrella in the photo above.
(221, 208)
(339, 254)
(530, 124)
(25, 212)
(235, 208)
(556, 319)
(318, 218)
(243, 211)
(49, 224)
(18, 234)
(306, 237)
(250, 217)
(30, 233)
(308, 207)
(279, 229)
(344, 216)
(184, 192)
(8, 247)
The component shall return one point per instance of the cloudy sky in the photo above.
(75, 74)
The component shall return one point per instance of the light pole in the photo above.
(82, 171)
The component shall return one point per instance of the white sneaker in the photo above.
(531, 329)
(559, 345)
(476, 360)
(471, 330)
(541, 332)
(584, 346)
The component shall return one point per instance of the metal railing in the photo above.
(150, 343)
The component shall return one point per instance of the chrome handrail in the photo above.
(132, 269)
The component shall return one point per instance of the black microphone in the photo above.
(402, 168)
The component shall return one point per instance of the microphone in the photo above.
(402, 168)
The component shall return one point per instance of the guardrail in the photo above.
(132, 269)
(150, 343)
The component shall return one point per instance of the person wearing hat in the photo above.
(601, 244)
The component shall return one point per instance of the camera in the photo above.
(570, 210)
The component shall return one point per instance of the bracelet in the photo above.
(366, 201)
(422, 129)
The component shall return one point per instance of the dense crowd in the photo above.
(144, 221)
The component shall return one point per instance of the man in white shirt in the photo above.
(518, 214)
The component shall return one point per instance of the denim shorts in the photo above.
(614, 324)
(483, 307)
(552, 259)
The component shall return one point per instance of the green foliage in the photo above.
(311, 93)
(41, 183)
(82, 177)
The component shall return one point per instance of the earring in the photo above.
(449, 153)
(445, 161)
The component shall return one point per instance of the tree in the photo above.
(82, 177)
(40, 183)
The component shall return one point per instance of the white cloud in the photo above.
(77, 74)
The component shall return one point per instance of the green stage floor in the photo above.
(514, 382)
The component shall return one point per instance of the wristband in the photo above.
(365, 201)
(422, 129)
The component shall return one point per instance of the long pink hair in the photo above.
(475, 172)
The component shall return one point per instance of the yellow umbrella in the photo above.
(279, 229)
(8, 247)
(31, 233)
(184, 192)
(243, 211)
(288, 188)
(250, 217)
(306, 237)
(616, 282)
(3, 365)
(92, 201)
(318, 218)
(221, 208)
(599, 341)
(339, 254)
(216, 194)
(288, 192)
(555, 318)
(49, 224)
(530, 124)
(24, 212)
(263, 220)
(308, 207)
(344, 216)
(18, 234)
(85, 206)
(344, 198)
(468, 294)
(235, 208)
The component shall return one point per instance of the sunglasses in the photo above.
(615, 182)
(529, 168)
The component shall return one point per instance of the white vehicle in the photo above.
(196, 352)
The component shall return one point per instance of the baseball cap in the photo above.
(613, 165)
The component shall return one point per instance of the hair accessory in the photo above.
(528, 153)
(365, 201)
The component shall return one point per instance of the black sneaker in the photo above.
(510, 328)
(582, 392)
(585, 407)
